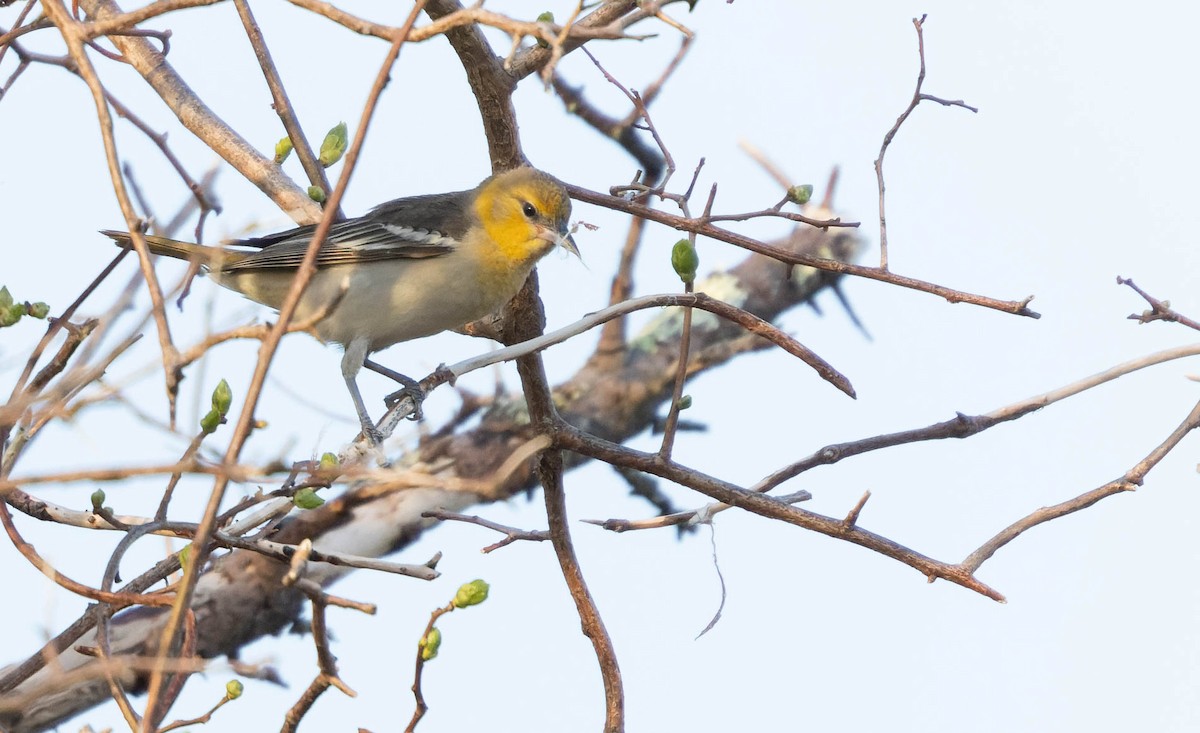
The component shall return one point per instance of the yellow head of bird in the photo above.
(526, 213)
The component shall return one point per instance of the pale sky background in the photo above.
(1078, 168)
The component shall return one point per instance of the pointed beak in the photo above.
(567, 242)
(563, 239)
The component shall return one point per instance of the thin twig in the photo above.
(964, 426)
(282, 105)
(201, 121)
(421, 706)
(241, 431)
(1129, 482)
(74, 35)
(685, 336)
(917, 98)
(7, 38)
(1020, 308)
(571, 438)
(511, 534)
(1160, 310)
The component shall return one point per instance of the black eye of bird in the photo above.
(529, 209)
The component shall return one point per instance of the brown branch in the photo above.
(282, 105)
(640, 111)
(1160, 310)
(72, 32)
(523, 319)
(961, 426)
(550, 470)
(625, 135)
(30, 553)
(852, 518)
(266, 353)
(917, 98)
(418, 695)
(556, 46)
(160, 140)
(492, 84)
(114, 24)
(685, 520)
(608, 17)
(1129, 482)
(233, 471)
(201, 121)
(199, 720)
(6, 38)
(685, 224)
(964, 426)
(75, 337)
(685, 338)
(81, 626)
(511, 534)
(570, 438)
(776, 213)
(327, 676)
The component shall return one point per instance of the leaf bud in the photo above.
(471, 594)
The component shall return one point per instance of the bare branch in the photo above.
(1020, 308)
(917, 98)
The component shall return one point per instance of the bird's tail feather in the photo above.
(167, 247)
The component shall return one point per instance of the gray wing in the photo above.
(410, 228)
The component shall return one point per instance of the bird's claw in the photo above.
(411, 390)
(373, 435)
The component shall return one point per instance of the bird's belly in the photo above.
(386, 301)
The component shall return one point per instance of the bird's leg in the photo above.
(352, 360)
(411, 388)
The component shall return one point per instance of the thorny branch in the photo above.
(563, 427)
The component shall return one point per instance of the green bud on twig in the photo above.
(333, 147)
(97, 499)
(11, 312)
(471, 594)
(10, 315)
(429, 645)
(233, 689)
(222, 397)
(209, 423)
(685, 260)
(800, 194)
(283, 149)
(306, 498)
(316, 194)
(328, 461)
(685, 402)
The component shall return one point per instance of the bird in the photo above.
(409, 268)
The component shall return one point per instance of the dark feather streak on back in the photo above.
(443, 214)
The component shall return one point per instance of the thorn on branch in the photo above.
(852, 518)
